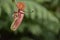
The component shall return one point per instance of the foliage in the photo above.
(41, 19)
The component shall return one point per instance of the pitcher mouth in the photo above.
(13, 26)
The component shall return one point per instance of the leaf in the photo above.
(6, 8)
(22, 27)
(40, 12)
(3, 24)
(35, 29)
(0, 11)
(54, 3)
(41, 1)
(54, 27)
(49, 36)
(30, 8)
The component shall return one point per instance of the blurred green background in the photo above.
(41, 20)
